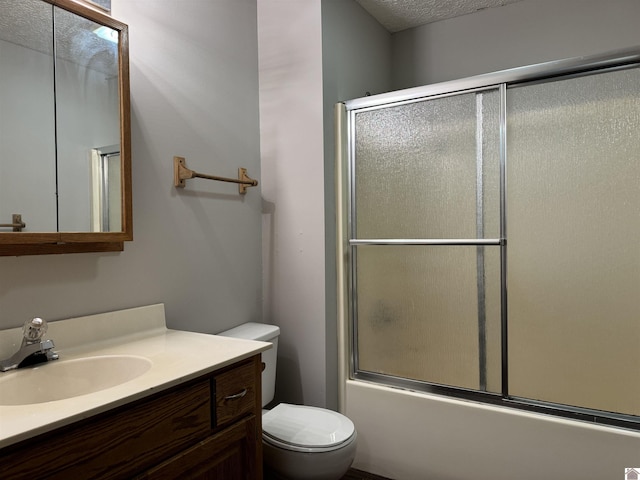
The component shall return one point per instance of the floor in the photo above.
(354, 474)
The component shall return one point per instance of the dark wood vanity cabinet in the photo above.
(223, 456)
(208, 428)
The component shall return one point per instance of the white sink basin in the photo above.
(61, 379)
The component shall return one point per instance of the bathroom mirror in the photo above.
(65, 154)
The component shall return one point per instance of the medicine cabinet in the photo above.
(65, 153)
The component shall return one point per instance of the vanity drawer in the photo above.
(236, 393)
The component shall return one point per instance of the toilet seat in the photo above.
(306, 429)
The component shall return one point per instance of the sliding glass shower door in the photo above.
(573, 252)
(493, 228)
(426, 225)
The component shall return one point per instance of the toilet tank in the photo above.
(263, 333)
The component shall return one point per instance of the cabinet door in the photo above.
(227, 455)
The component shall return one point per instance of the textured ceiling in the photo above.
(397, 15)
(29, 23)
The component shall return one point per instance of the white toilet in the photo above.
(299, 443)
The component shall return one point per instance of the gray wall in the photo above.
(312, 55)
(194, 93)
(289, 36)
(523, 33)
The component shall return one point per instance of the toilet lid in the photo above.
(308, 427)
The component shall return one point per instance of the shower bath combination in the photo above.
(489, 228)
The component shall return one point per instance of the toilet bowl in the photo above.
(299, 442)
(309, 443)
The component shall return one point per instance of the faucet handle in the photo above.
(34, 329)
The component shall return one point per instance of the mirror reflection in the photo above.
(59, 108)
(106, 211)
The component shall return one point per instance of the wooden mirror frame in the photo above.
(34, 243)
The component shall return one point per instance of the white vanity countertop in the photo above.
(176, 357)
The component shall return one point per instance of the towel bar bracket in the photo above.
(16, 223)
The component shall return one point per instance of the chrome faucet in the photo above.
(32, 346)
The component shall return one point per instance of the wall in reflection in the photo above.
(27, 136)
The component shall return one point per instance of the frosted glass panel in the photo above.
(418, 313)
(419, 168)
(573, 230)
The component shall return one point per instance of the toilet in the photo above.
(299, 442)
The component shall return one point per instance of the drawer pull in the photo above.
(237, 395)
